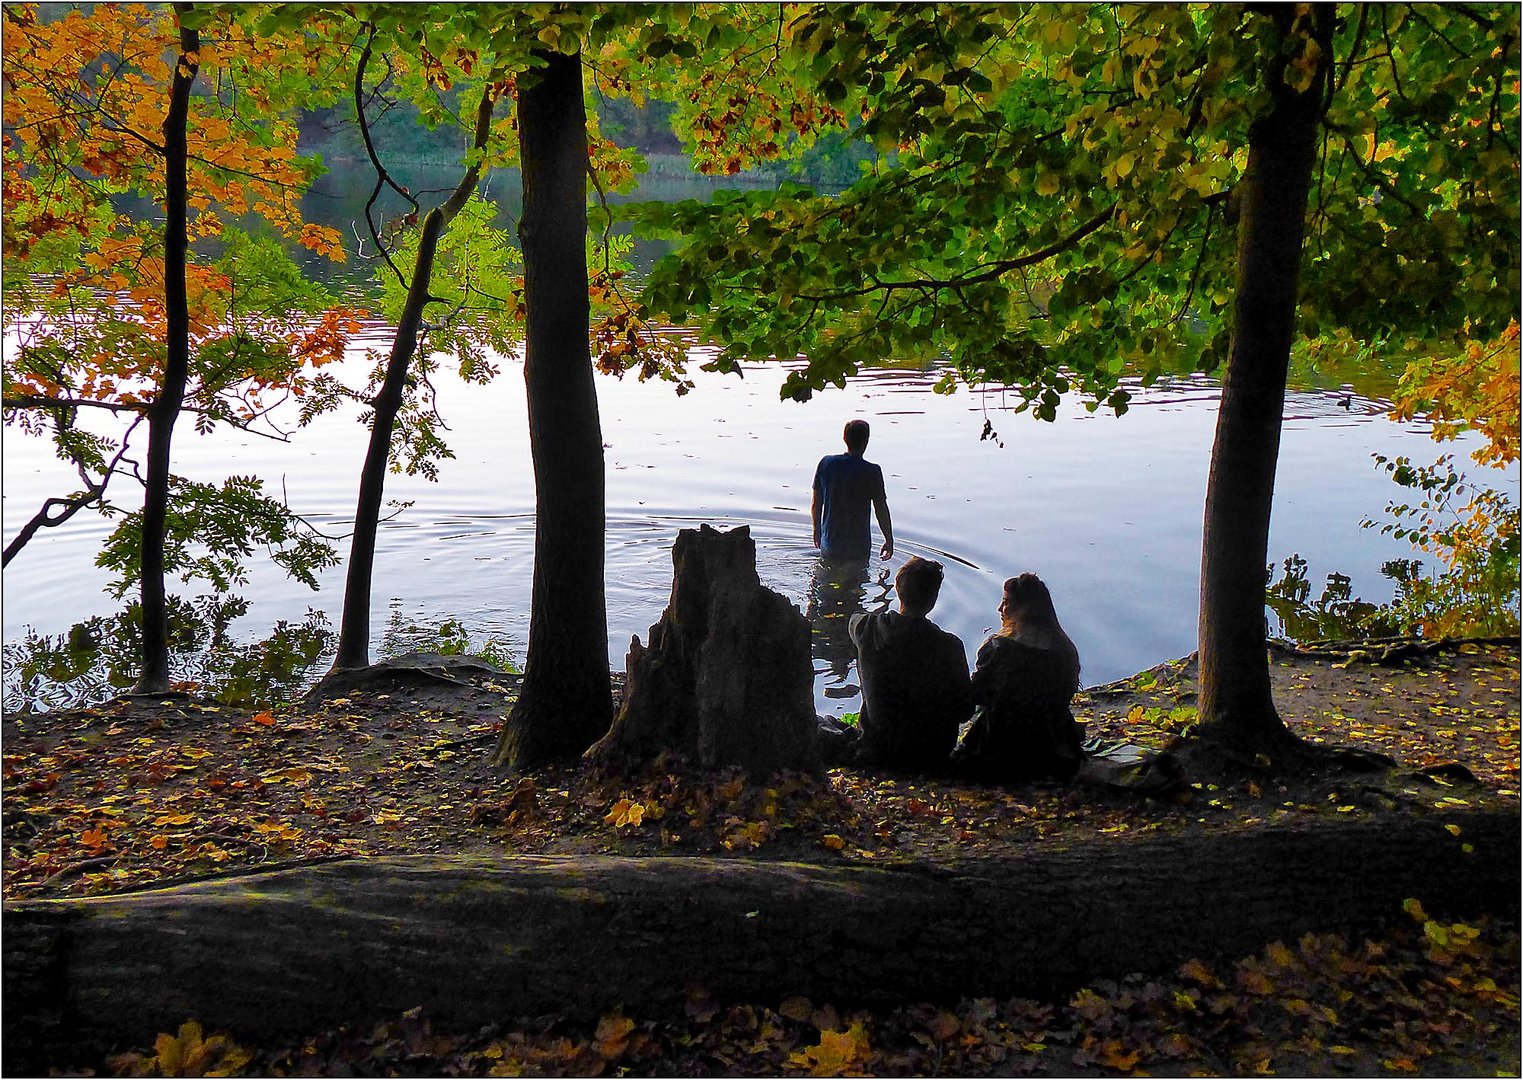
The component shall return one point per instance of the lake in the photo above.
(1107, 510)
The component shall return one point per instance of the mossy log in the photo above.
(286, 952)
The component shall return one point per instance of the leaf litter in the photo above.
(132, 794)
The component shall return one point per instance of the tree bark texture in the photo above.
(1236, 706)
(354, 627)
(727, 679)
(566, 702)
(165, 410)
(472, 940)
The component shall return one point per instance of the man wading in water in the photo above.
(845, 485)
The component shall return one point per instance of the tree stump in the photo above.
(727, 677)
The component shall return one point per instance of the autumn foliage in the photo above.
(85, 98)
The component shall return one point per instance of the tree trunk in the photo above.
(1236, 707)
(566, 701)
(165, 410)
(354, 628)
(727, 679)
(473, 940)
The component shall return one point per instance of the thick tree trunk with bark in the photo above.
(565, 703)
(354, 628)
(727, 678)
(165, 410)
(472, 940)
(1236, 707)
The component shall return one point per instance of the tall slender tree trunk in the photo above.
(1236, 707)
(165, 409)
(354, 627)
(565, 703)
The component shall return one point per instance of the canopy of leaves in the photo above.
(1060, 206)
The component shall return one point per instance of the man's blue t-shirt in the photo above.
(846, 485)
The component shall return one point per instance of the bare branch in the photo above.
(382, 177)
(94, 491)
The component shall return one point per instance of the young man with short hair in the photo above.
(845, 486)
(915, 688)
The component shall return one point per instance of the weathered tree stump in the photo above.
(289, 952)
(727, 678)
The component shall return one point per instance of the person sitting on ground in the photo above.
(914, 676)
(1024, 678)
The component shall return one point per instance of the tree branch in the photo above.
(68, 507)
(382, 177)
(994, 270)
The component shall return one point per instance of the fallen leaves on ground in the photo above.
(100, 799)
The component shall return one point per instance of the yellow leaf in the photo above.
(1280, 956)
(612, 1036)
(1454, 829)
(834, 1052)
(625, 814)
(832, 841)
(1199, 973)
(1113, 1057)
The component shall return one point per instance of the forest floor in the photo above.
(144, 792)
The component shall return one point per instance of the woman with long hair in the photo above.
(1023, 682)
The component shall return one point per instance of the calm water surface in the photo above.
(1107, 510)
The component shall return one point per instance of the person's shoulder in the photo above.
(993, 646)
(946, 636)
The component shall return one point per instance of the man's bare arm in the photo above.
(814, 514)
(885, 525)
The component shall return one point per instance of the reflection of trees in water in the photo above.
(1337, 614)
(837, 591)
(452, 637)
(98, 659)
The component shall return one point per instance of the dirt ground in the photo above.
(144, 792)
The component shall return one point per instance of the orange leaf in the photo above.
(264, 718)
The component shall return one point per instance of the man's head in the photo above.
(856, 436)
(918, 583)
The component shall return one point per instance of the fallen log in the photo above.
(476, 939)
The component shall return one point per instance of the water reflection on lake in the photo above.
(1107, 510)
